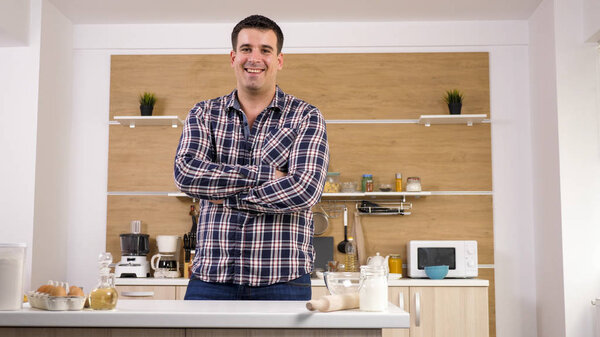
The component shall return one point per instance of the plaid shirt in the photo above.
(263, 232)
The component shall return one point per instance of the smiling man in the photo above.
(257, 160)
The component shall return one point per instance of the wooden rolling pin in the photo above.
(334, 302)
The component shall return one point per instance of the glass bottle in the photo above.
(373, 291)
(367, 183)
(350, 264)
(104, 296)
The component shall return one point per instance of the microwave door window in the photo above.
(436, 257)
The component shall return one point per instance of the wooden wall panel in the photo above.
(446, 158)
(141, 159)
(343, 86)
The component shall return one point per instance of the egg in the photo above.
(46, 288)
(75, 291)
(58, 292)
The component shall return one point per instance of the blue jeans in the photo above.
(294, 290)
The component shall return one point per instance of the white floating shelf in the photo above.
(333, 195)
(469, 120)
(377, 194)
(133, 121)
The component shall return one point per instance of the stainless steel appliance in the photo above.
(459, 256)
(134, 248)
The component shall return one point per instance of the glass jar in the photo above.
(373, 290)
(413, 184)
(367, 183)
(104, 296)
(332, 184)
(395, 264)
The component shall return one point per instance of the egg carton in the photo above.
(44, 301)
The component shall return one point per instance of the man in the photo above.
(257, 160)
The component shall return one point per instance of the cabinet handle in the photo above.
(138, 293)
(417, 309)
(401, 300)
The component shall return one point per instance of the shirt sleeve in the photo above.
(196, 172)
(302, 187)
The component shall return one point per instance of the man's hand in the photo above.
(217, 202)
(280, 174)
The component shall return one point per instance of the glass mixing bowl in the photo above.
(339, 283)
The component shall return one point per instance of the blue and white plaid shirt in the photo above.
(263, 232)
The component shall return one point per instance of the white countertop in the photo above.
(208, 314)
(403, 282)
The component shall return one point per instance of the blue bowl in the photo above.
(436, 272)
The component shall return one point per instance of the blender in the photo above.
(134, 248)
(166, 263)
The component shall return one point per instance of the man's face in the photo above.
(255, 60)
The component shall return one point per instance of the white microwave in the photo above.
(459, 256)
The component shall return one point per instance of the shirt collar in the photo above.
(277, 104)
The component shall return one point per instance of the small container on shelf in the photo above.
(398, 182)
(332, 184)
(367, 183)
(385, 187)
(349, 187)
(413, 184)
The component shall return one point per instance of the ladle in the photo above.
(342, 245)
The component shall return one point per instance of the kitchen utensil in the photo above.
(359, 238)
(342, 245)
(167, 243)
(321, 221)
(323, 251)
(334, 302)
(12, 258)
(436, 272)
(339, 283)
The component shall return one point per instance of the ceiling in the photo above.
(230, 11)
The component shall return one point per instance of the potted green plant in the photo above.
(147, 101)
(454, 99)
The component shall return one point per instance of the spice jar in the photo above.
(398, 182)
(373, 291)
(413, 184)
(367, 183)
(332, 184)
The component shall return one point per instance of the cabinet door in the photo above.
(319, 291)
(146, 292)
(398, 296)
(449, 312)
(180, 292)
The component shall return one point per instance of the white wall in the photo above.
(19, 67)
(579, 148)
(51, 207)
(506, 41)
(14, 23)
(546, 174)
(591, 20)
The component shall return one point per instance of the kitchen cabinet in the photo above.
(449, 312)
(146, 292)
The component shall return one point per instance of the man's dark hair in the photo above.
(257, 22)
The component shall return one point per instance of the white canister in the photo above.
(373, 291)
(12, 258)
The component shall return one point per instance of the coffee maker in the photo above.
(166, 263)
(134, 248)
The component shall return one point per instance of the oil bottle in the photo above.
(104, 296)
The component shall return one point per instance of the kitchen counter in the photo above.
(274, 316)
(403, 282)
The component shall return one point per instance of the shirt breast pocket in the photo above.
(277, 146)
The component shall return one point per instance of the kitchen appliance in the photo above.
(166, 263)
(134, 248)
(459, 256)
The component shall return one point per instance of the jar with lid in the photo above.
(373, 290)
(367, 183)
(332, 184)
(395, 264)
(413, 184)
